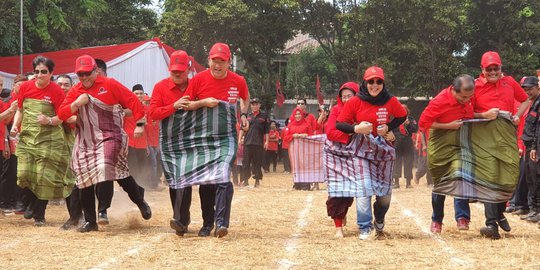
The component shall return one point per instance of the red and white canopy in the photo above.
(145, 62)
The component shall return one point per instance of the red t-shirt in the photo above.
(295, 128)
(332, 133)
(164, 95)
(357, 110)
(273, 135)
(444, 108)
(52, 94)
(229, 89)
(152, 131)
(497, 95)
(129, 126)
(109, 91)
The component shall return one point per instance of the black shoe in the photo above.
(70, 224)
(88, 227)
(221, 232)
(146, 212)
(102, 218)
(490, 232)
(29, 212)
(39, 222)
(505, 226)
(205, 231)
(520, 212)
(510, 209)
(529, 215)
(178, 227)
(257, 183)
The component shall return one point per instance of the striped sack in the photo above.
(199, 147)
(479, 161)
(43, 154)
(101, 144)
(361, 168)
(306, 159)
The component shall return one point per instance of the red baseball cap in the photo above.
(374, 72)
(179, 61)
(85, 63)
(491, 58)
(221, 51)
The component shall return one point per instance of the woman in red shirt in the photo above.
(271, 151)
(338, 203)
(298, 128)
(372, 113)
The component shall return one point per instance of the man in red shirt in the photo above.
(494, 94)
(100, 151)
(207, 88)
(167, 98)
(446, 111)
(138, 146)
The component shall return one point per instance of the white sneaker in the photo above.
(365, 235)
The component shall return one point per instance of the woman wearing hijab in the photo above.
(298, 127)
(371, 115)
(338, 203)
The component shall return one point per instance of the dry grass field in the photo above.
(272, 227)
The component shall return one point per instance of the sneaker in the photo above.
(39, 222)
(379, 226)
(529, 215)
(503, 223)
(102, 218)
(533, 219)
(520, 212)
(29, 212)
(436, 227)
(70, 224)
(490, 232)
(205, 231)
(462, 224)
(365, 235)
(18, 209)
(221, 232)
(339, 232)
(510, 209)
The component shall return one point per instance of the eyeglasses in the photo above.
(493, 69)
(300, 103)
(85, 74)
(43, 71)
(372, 81)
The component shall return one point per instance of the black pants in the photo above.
(104, 194)
(253, 155)
(38, 206)
(422, 169)
(404, 161)
(521, 198)
(494, 212)
(128, 184)
(207, 195)
(270, 158)
(223, 197)
(286, 160)
(532, 172)
(73, 204)
(10, 193)
(181, 202)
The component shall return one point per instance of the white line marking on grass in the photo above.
(457, 258)
(291, 246)
(9, 245)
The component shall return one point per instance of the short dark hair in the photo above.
(463, 80)
(43, 60)
(137, 87)
(101, 64)
(65, 76)
(304, 99)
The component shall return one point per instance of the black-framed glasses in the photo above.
(43, 71)
(493, 69)
(372, 81)
(85, 74)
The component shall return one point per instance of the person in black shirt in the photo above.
(255, 142)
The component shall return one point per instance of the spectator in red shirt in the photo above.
(298, 127)
(100, 152)
(446, 111)
(337, 207)
(310, 119)
(271, 150)
(322, 119)
(138, 160)
(373, 111)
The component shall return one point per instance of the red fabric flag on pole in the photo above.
(280, 98)
(319, 94)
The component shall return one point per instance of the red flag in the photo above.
(280, 98)
(319, 94)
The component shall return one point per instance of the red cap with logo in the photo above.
(179, 61)
(374, 72)
(221, 51)
(491, 58)
(85, 63)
